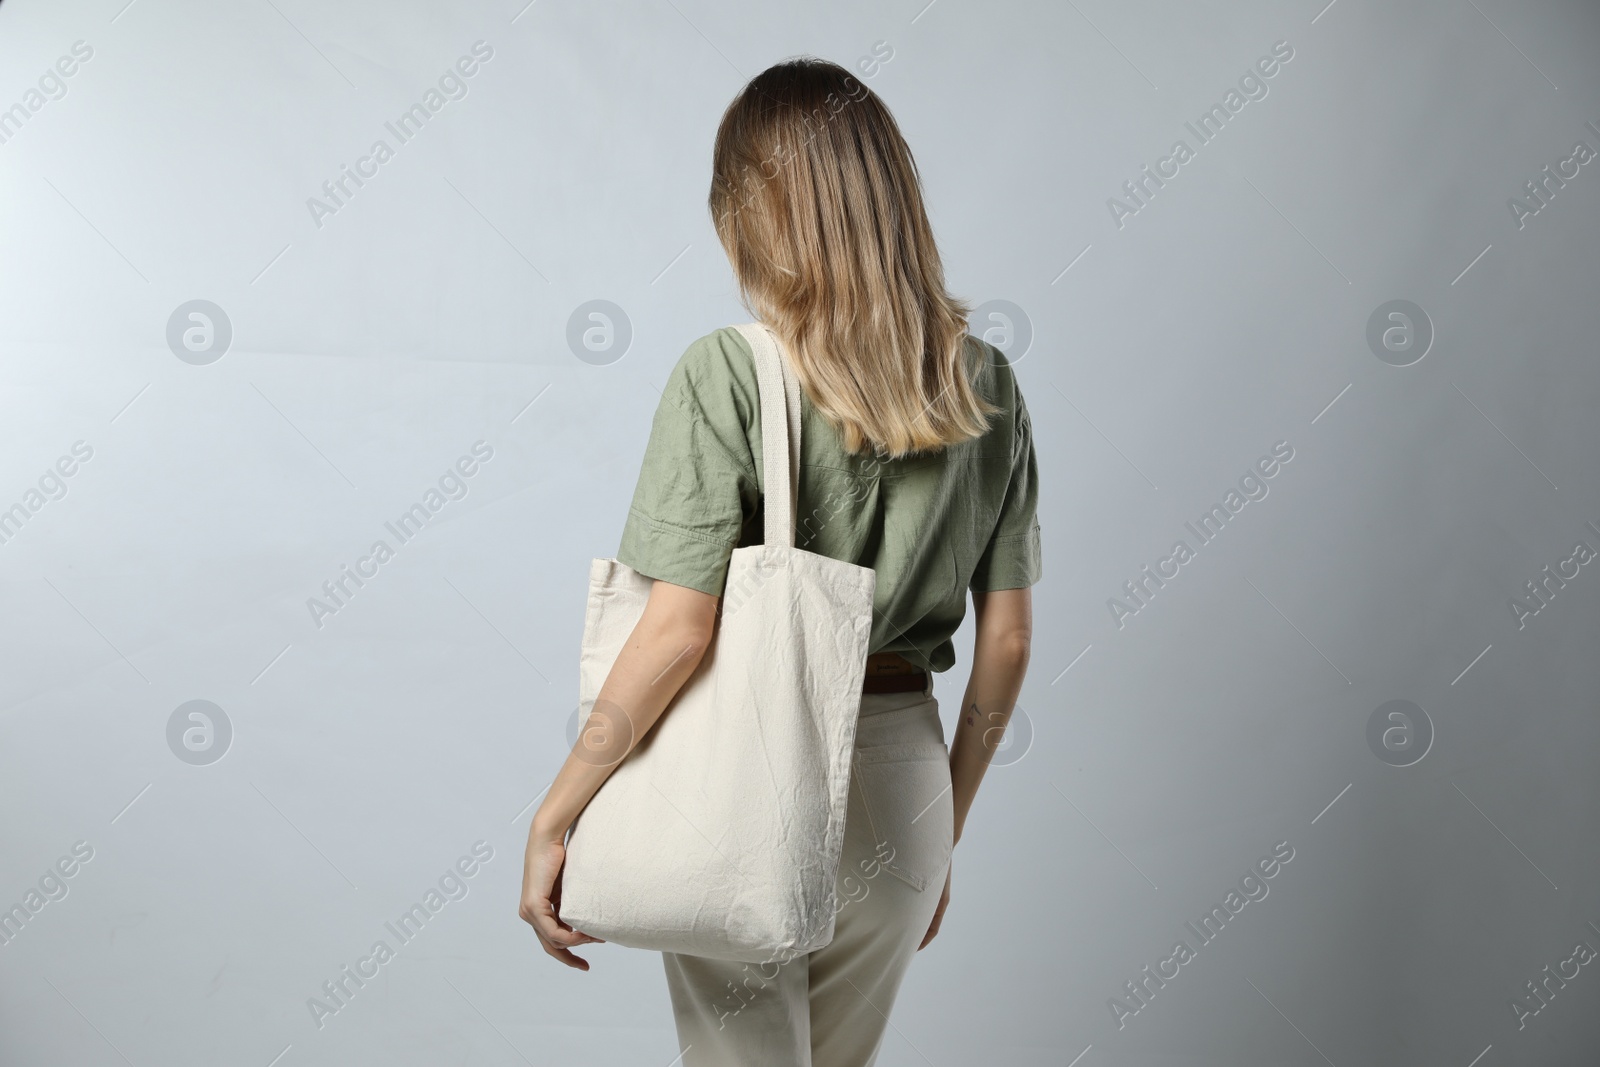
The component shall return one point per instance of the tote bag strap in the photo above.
(780, 432)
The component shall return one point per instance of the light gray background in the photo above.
(431, 311)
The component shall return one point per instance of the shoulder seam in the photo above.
(739, 461)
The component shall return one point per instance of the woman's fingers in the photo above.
(564, 936)
(541, 899)
(550, 928)
(933, 930)
(938, 914)
(555, 912)
(565, 956)
(557, 940)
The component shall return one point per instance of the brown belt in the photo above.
(890, 672)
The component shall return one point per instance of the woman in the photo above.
(917, 460)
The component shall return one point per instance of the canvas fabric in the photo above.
(720, 834)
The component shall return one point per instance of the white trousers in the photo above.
(829, 1008)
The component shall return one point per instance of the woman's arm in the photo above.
(666, 645)
(999, 661)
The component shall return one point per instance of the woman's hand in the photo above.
(541, 898)
(664, 649)
(944, 901)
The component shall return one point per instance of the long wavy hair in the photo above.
(817, 202)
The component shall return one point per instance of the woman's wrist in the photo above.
(546, 829)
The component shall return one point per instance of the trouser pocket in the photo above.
(909, 813)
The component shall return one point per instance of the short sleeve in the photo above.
(697, 486)
(1013, 558)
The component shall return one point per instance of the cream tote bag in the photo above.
(720, 834)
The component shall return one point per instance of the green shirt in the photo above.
(930, 525)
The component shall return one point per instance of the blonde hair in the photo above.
(817, 202)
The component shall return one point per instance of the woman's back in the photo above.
(916, 460)
(931, 524)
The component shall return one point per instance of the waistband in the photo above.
(884, 703)
(890, 672)
(898, 718)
